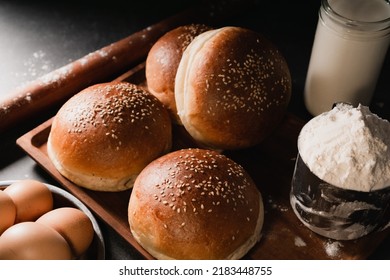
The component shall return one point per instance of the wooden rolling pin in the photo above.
(102, 65)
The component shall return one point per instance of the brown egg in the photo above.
(7, 211)
(33, 241)
(73, 224)
(31, 198)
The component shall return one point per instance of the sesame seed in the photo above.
(181, 189)
(119, 103)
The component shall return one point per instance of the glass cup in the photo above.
(335, 212)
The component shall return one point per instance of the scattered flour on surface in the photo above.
(102, 53)
(58, 76)
(332, 248)
(276, 206)
(37, 64)
(299, 242)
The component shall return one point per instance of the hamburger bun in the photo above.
(195, 204)
(232, 88)
(162, 62)
(102, 137)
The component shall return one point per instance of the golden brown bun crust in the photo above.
(195, 204)
(232, 88)
(106, 134)
(163, 60)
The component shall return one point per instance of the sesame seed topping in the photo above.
(209, 192)
(117, 103)
(189, 32)
(251, 82)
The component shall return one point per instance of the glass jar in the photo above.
(340, 187)
(349, 48)
(334, 212)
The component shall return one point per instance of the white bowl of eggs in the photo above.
(41, 222)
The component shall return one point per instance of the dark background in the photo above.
(37, 37)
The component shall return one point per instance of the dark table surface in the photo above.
(37, 37)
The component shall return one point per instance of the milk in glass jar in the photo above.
(349, 47)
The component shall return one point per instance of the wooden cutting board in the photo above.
(271, 165)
